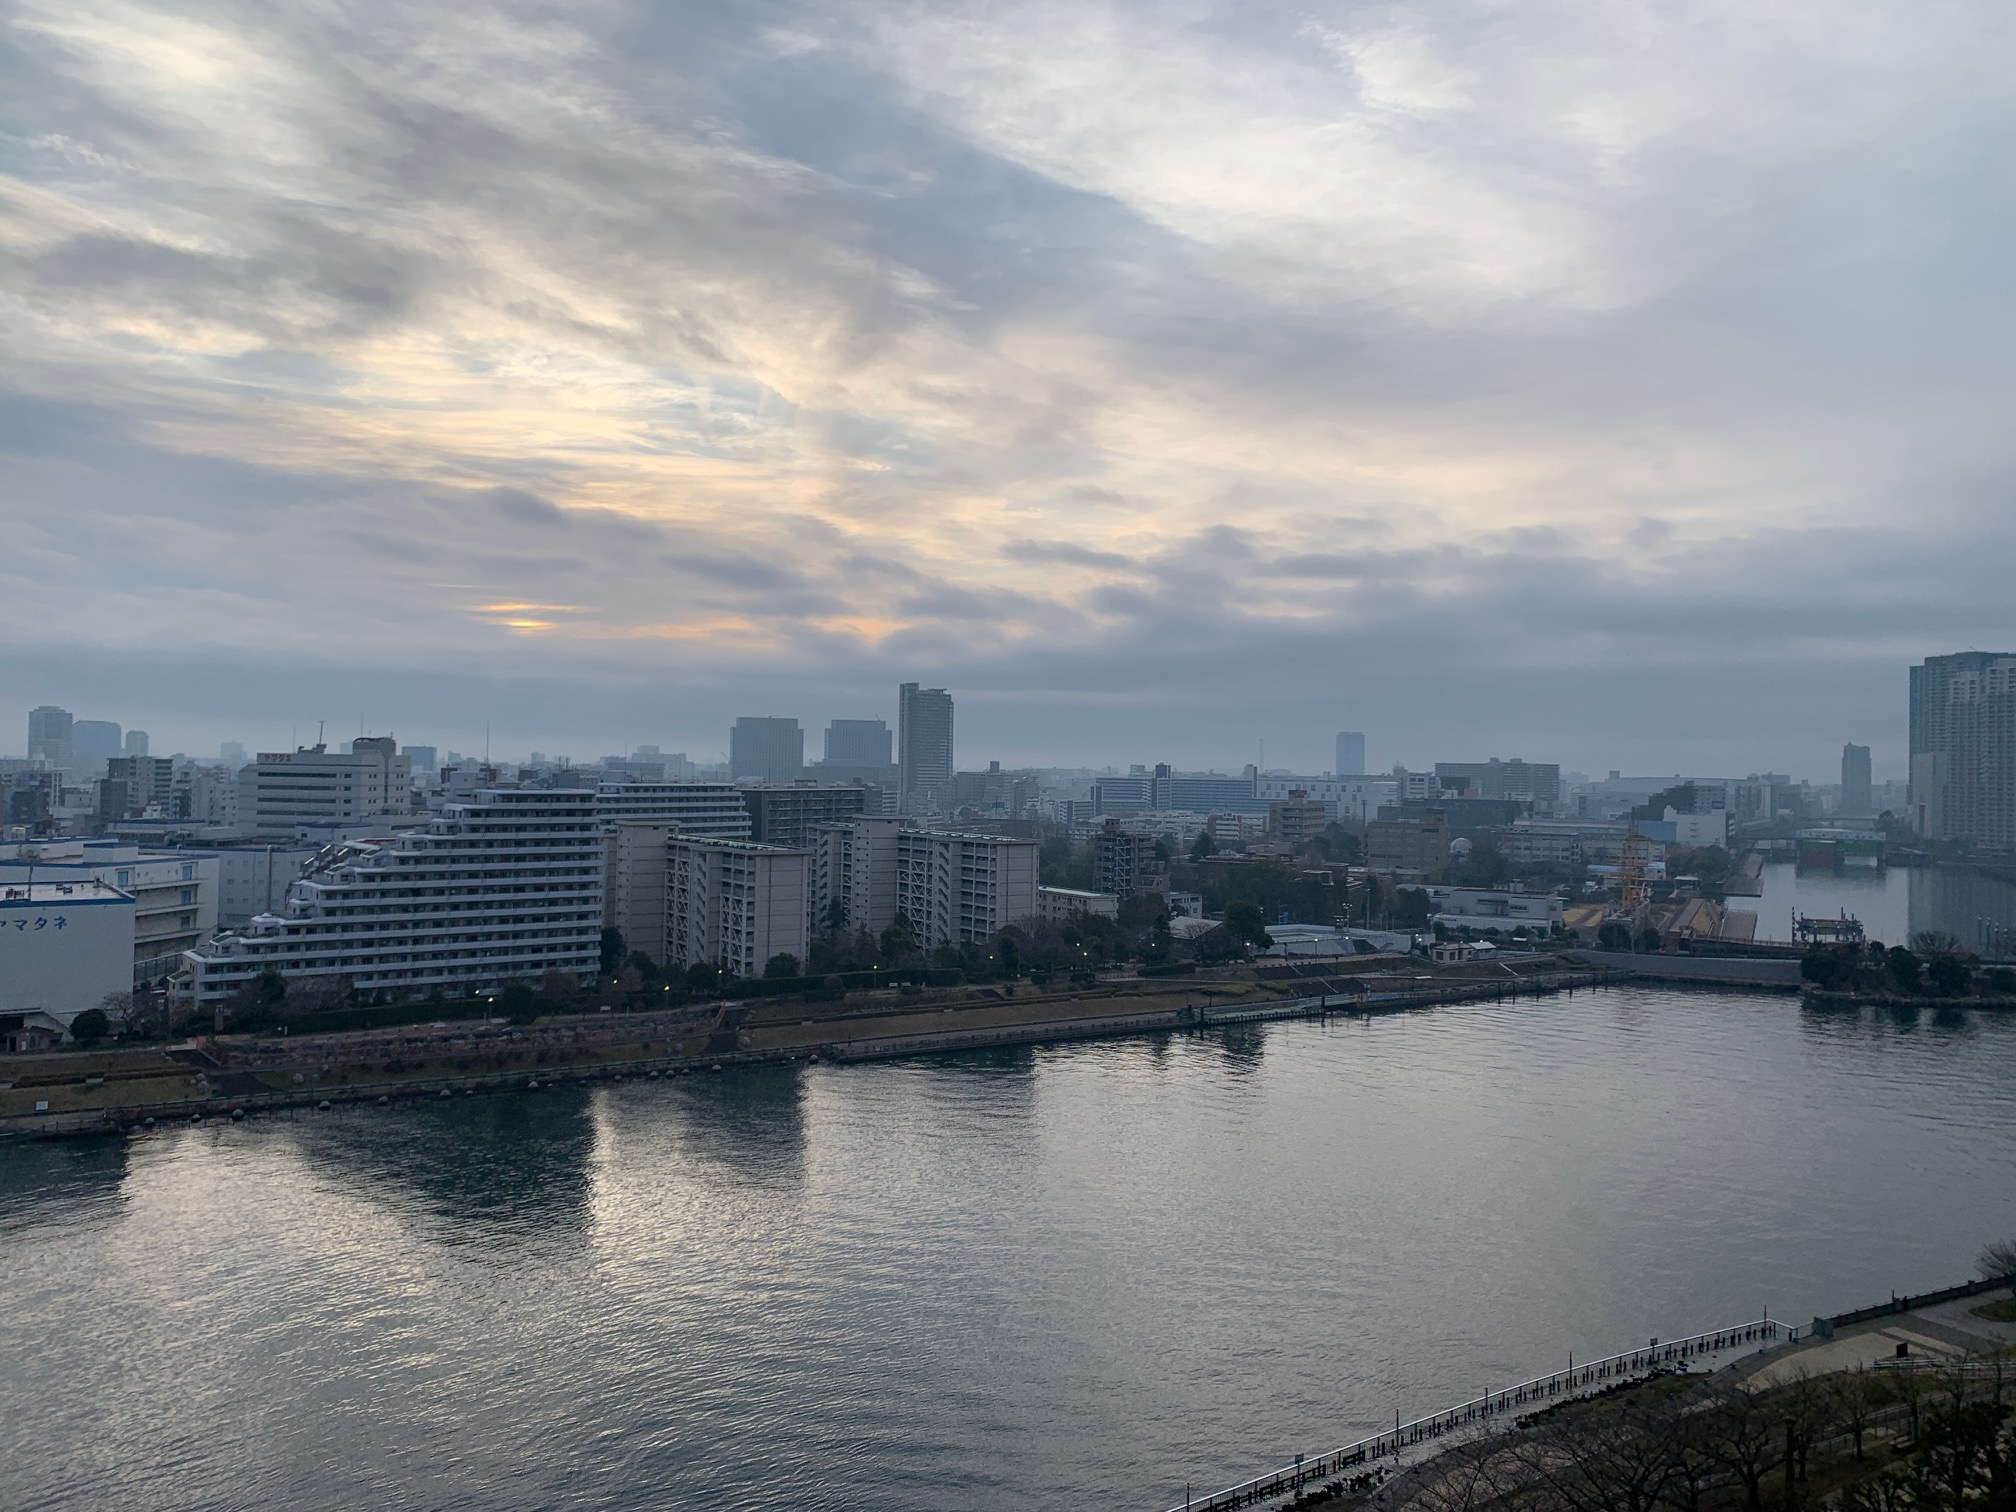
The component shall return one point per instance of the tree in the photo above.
(899, 941)
(612, 950)
(90, 1026)
(519, 1002)
(1008, 951)
(1245, 924)
(643, 965)
(703, 976)
(782, 964)
(1903, 968)
(1613, 935)
(1997, 1261)
(1410, 908)
(1648, 940)
(834, 920)
(1203, 846)
(1743, 1435)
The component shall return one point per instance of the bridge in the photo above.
(1474, 1415)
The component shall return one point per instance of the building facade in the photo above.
(1124, 861)
(785, 813)
(1350, 754)
(1534, 782)
(283, 791)
(734, 904)
(174, 893)
(505, 887)
(1296, 819)
(1414, 847)
(64, 947)
(715, 809)
(960, 889)
(1856, 786)
(1979, 802)
(49, 736)
(860, 743)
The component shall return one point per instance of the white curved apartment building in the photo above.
(504, 887)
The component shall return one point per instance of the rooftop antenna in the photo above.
(319, 740)
(486, 742)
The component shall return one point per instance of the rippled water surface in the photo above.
(1065, 1277)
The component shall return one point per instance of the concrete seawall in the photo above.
(1735, 971)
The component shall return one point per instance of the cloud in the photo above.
(1456, 368)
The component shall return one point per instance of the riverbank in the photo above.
(86, 1092)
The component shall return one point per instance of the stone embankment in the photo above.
(228, 1076)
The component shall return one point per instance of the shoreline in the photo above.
(522, 1058)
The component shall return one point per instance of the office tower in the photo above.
(859, 743)
(93, 742)
(1350, 754)
(768, 750)
(1855, 785)
(232, 753)
(136, 743)
(923, 746)
(423, 760)
(49, 736)
(503, 887)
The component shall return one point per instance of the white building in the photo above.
(854, 866)
(1061, 903)
(64, 947)
(504, 888)
(960, 889)
(1486, 908)
(254, 879)
(284, 790)
(174, 892)
(734, 904)
(1342, 797)
(633, 888)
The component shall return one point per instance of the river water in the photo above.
(1893, 904)
(1055, 1278)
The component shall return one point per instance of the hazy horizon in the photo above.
(1620, 388)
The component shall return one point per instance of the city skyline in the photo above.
(1611, 391)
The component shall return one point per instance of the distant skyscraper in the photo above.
(923, 744)
(1855, 784)
(136, 743)
(1350, 754)
(859, 743)
(49, 735)
(424, 759)
(232, 753)
(770, 750)
(93, 742)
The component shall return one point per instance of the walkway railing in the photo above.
(1472, 1414)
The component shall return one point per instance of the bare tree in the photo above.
(1744, 1437)
(1857, 1396)
(1621, 1461)
(1997, 1261)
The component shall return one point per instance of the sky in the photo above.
(1620, 384)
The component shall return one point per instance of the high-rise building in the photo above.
(734, 904)
(1979, 803)
(504, 887)
(768, 750)
(859, 743)
(50, 735)
(136, 743)
(93, 742)
(1931, 695)
(133, 784)
(232, 753)
(853, 878)
(1350, 754)
(923, 746)
(424, 760)
(697, 808)
(1855, 782)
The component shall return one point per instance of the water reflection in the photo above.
(508, 1166)
(746, 1126)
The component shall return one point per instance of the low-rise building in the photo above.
(1060, 903)
(733, 903)
(64, 947)
(174, 892)
(1297, 819)
(1494, 909)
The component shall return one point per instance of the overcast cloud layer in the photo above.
(1622, 384)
